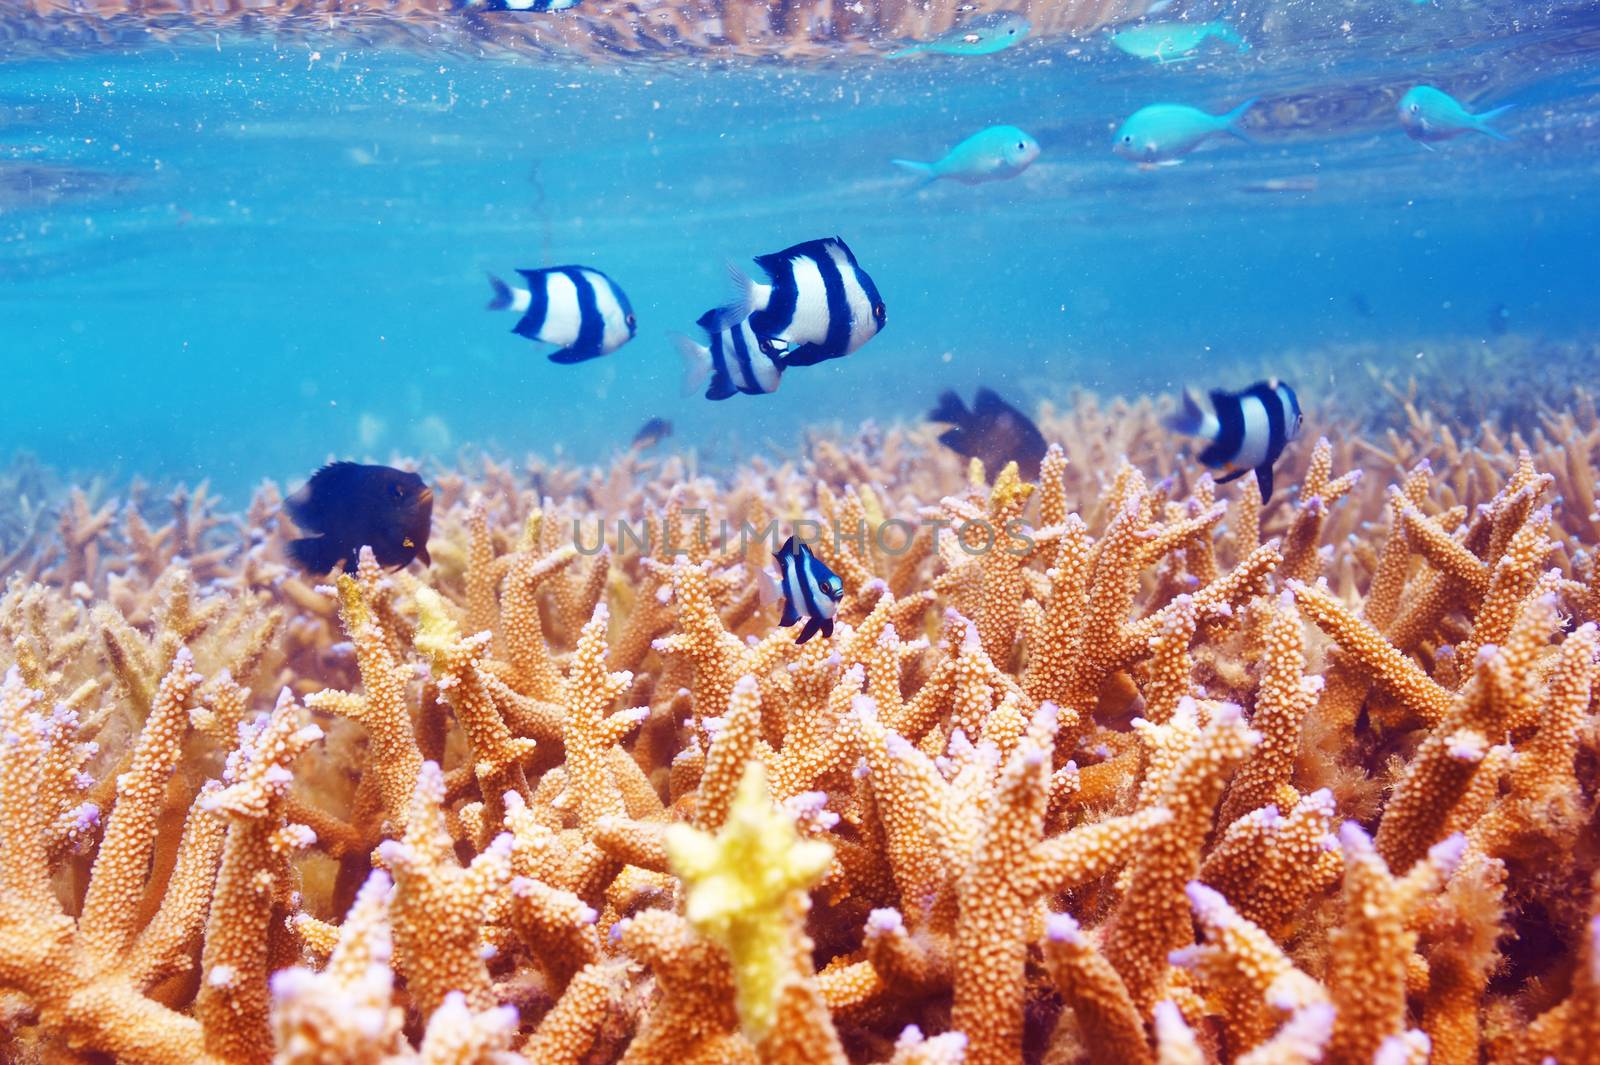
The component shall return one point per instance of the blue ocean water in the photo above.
(233, 254)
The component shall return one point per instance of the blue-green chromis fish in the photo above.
(994, 154)
(1159, 135)
(1167, 42)
(1427, 114)
(984, 35)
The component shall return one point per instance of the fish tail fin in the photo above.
(922, 170)
(1188, 420)
(767, 587)
(315, 554)
(812, 627)
(502, 295)
(950, 410)
(696, 364)
(1482, 122)
(1231, 120)
(738, 309)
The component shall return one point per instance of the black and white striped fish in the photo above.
(809, 589)
(576, 307)
(734, 362)
(1247, 431)
(521, 5)
(817, 304)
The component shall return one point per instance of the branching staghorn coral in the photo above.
(1179, 778)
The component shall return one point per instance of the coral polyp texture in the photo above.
(1118, 766)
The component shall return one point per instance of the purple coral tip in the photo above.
(885, 921)
(1063, 928)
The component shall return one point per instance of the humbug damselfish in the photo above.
(809, 589)
(1246, 430)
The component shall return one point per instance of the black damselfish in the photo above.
(650, 434)
(809, 589)
(994, 432)
(1247, 431)
(351, 505)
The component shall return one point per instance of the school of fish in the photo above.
(813, 302)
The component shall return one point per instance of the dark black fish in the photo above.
(651, 433)
(993, 431)
(809, 589)
(351, 505)
(1248, 430)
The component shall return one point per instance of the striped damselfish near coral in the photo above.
(1155, 774)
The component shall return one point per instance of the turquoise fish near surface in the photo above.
(984, 35)
(1168, 42)
(1160, 134)
(993, 154)
(1429, 114)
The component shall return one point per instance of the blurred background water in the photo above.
(230, 248)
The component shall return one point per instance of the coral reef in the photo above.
(1117, 766)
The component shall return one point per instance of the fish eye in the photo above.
(1128, 139)
(1012, 32)
(397, 490)
(631, 321)
(878, 310)
(1416, 109)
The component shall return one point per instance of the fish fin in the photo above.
(732, 313)
(696, 364)
(786, 549)
(767, 587)
(805, 355)
(988, 404)
(502, 295)
(923, 170)
(569, 356)
(955, 439)
(1232, 476)
(422, 553)
(299, 507)
(315, 554)
(1232, 119)
(950, 409)
(790, 614)
(332, 477)
(1188, 420)
(827, 627)
(1482, 122)
(1264, 480)
(813, 625)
